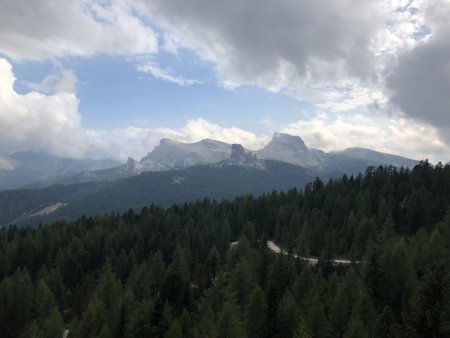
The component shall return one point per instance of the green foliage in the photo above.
(229, 322)
(428, 315)
(256, 314)
(174, 331)
(287, 316)
(174, 272)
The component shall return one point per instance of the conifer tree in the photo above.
(256, 314)
(287, 316)
(229, 324)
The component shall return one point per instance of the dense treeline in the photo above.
(173, 273)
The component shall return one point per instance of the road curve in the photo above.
(311, 260)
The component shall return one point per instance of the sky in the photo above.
(110, 78)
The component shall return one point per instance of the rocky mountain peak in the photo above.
(291, 149)
(166, 141)
(237, 151)
(171, 154)
(281, 140)
(133, 166)
(238, 154)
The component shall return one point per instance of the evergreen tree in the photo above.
(229, 324)
(431, 303)
(256, 314)
(317, 322)
(356, 328)
(174, 330)
(172, 271)
(213, 262)
(243, 282)
(249, 232)
(44, 301)
(139, 324)
(385, 324)
(287, 317)
(53, 325)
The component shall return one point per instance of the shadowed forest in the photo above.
(173, 273)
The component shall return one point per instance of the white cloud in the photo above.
(140, 141)
(152, 68)
(48, 122)
(394, 135)
(290, 45)
(341, 56)
(64, 80)
(196, 130)
(329, 132)
(419, 82)
(45, 29)
(38, 121)
(79, 28)
(335, 55)
(52, 123)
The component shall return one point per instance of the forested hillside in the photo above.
(217, 181)
(174, 272)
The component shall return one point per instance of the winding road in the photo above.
(311, 260)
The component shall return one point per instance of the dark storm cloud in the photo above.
(253, 40)
(420, 82)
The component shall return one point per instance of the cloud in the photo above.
(388, 56)
(39, 31)
(196, 130)
(331, 132)
(333, 54)
(419, 84)
(140, 141)
(52, 123)
(45, 29)
(152, 68)
(38, 121)
(289, 45)
(343, 56)
(64, 80)
(47, 119)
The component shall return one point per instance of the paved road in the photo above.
(311, 260)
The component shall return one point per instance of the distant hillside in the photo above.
(174, 172)
(223, 180)
(172, 155)
(25, 168)
(292, 149)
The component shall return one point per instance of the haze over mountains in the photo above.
(172, 155)
(173, 172)
(28, 169)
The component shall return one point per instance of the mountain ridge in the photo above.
(241, 172)
(28, 167)
(174, 155)
(225, 179)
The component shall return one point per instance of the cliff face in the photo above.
(133, 166)
(291, 149)
(176, 155)
(239, 155)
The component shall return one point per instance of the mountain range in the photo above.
(172, 155)
(174, 172)
(27, 167)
